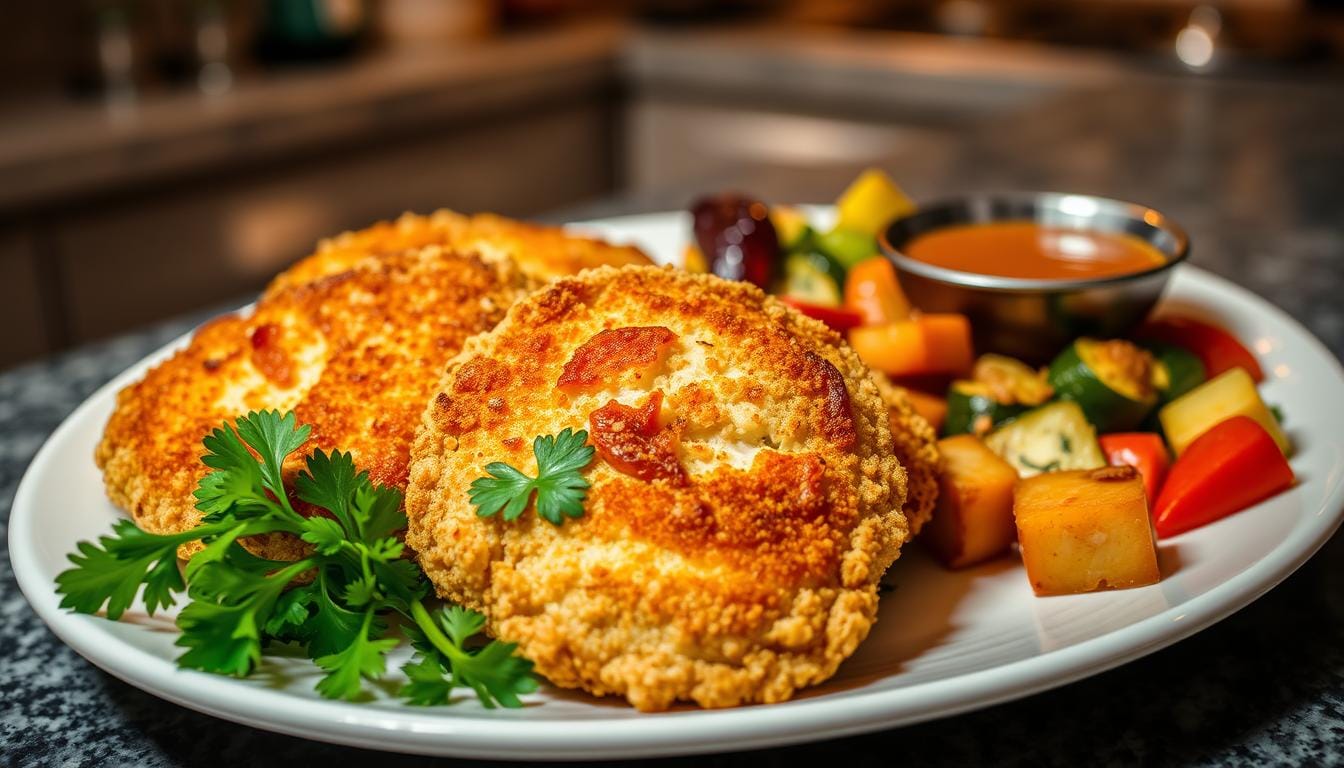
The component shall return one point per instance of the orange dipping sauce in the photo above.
(1024, 249)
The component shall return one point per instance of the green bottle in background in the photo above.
(310, 30)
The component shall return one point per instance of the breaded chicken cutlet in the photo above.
(354, 345)
(744, 496)
(916, 445)
(541, 252)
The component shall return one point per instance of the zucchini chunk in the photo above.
(1113, 382)
(972, 409)
(999, 389)
(812, 277)
(1051, 438)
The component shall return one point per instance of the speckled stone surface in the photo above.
(1255, 172)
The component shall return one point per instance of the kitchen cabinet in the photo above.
(176, 250)
(26, 330)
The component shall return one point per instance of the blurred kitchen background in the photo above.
(160, 157)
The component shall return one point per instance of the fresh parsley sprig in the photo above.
(338, 603)
(559, 486)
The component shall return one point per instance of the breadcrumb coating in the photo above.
(354, 339)
(541, 252)
(747, 575)
(916, 444)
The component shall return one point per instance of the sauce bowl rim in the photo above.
(1054, 200)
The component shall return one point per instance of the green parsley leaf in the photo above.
(329, 482)
(220, 638)
(380, 512)
(235, 485)
(273, 437)
(559, 486)
(113, 571)
(332, 626)
(290, 613)
(496, 675)
(230, 494)
(323, 533)
(506, 489)
(225, 548)
(225, 636)
(461, 623)
(365, 511)
(362, 658)
(428, 686)
(386, 550)
(335, 602)
(361, 591)
(220, 572)
(401, 580)
(240, 485)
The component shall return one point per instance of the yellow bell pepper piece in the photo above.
(1229, 394)
(791, 225)
(871, 202)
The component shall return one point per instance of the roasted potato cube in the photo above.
(1085, 530)
(973, 520)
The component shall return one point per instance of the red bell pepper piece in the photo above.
(1216, 348)
(1143, 451)
(839, 318)
(1230, 467)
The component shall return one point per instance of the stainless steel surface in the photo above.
(1033, 319)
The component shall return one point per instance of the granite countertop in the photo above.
(1254, 171)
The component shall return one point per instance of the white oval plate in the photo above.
(945, 642)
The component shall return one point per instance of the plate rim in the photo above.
(659, 734)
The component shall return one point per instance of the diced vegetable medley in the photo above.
(1083, 464)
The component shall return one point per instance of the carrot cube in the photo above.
(923, 345)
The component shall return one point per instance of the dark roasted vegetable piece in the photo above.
(1219, 350)
(736, 235)
(1176, 370)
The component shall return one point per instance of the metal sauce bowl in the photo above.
(1028, 318)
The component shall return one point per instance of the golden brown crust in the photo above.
(355, 355)
(752, 576)
(916, 445)
(542, 253)
(353, 338)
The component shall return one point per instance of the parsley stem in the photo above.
(284, 510)
(432, 631)
(193, 534)
(276, 582)
(296, 569)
